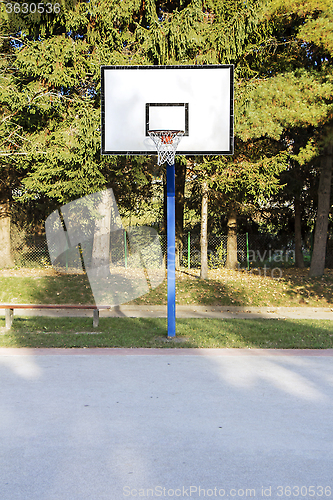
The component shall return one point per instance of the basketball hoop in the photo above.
(166, 142)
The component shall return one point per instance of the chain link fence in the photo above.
(29, 250)
(32, 251)
(253, 250)
(217, 250)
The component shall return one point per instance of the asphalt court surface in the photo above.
(104, 424)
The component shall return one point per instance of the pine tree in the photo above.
(50, 88)
(295, 90)
(50, 106)
(54, 88)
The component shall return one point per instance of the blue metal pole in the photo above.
(171, 242)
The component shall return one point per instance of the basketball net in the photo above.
(166, 142)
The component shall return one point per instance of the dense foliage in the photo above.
(50, 95)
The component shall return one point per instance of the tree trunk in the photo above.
(299, 260)
(101, 244)
(231, 262)
(203, 235)
(179, 202)
(6, 259)
(324, 191)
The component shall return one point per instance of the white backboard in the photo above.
(195, 99)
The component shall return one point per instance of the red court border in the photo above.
(141, 351)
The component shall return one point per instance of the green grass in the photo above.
(58, 289)
(223, 288)
(152, 332)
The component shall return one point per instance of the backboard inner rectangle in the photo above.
(167, 116)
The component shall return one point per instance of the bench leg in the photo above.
(9, 318)
(96, 318)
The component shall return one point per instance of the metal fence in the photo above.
(30, 251)
(217, 250)
(252, 250)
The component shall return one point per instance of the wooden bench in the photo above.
(9, 310)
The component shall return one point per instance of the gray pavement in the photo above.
(107, 424)
(192, 311)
